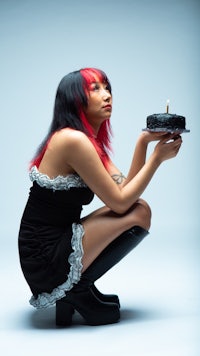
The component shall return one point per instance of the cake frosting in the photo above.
(170, 122)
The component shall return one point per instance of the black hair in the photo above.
(70, 100)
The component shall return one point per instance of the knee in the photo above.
(144, 213)
(145, 205)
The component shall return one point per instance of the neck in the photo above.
(95, 130)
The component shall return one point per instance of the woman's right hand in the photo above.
(168, 147)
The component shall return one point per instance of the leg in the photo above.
(83, 297)
(103, 226)
(118, 248)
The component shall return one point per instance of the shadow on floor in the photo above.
(45, 319)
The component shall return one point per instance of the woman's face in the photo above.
(99, 104)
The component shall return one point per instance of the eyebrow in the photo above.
(99, 83)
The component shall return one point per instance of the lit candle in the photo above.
(167, 108)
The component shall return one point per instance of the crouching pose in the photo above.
(61, 253)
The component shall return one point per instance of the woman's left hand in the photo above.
(148, 136)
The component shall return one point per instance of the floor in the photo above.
(159, 294)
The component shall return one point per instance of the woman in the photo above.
(62, 254)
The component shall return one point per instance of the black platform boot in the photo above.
(108, 298)
(82, 298)
(111, 255)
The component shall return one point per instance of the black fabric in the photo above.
(45, 235)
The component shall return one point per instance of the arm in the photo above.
(83, 158)
(139, 157)
(138, 160)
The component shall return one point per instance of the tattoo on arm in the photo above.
(118, 178)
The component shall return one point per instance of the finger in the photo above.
(167, 137)
(176, 137)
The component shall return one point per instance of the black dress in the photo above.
(50, 236)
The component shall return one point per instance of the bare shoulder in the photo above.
(71, 138)
(75, 147)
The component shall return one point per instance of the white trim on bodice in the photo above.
(57, 183)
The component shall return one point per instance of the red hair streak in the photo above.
(36, 161)
(102, 142)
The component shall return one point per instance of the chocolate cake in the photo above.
(166, 122)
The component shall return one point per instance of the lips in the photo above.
(107, 107)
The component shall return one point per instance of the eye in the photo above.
(107, 87)
(94, 87)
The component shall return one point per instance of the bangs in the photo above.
(92, 75)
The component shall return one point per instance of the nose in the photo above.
(106, 95)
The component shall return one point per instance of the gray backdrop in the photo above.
(149, 50)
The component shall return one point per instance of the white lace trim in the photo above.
(46, 300)
(57, 183)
